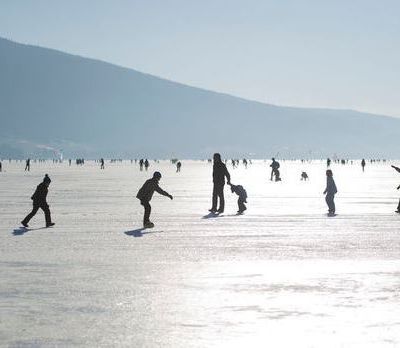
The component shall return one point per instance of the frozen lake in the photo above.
(282, 275)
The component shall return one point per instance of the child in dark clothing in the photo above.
(241, 192)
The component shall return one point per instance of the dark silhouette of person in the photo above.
(141, 163)
(102, 163)
(219, 174)
(241, 192)
(275, 170)
(328, 162)
(1, 167)
(39, 201)
(146, 193)
(178, 167)
(146, 164)
(398, 187)
(363, 164)
(304, 176)
(28, 165)
(330, 192)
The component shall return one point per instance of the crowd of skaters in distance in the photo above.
(221, 176)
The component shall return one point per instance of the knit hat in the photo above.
(46, 179)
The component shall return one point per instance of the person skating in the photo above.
(146, 193)
(178, 167)
(102, 163)
(28, 165)
(398, 187)
(363, 164)
(330, 192)
(241, 192)
(39, 201)
(304, 176)
(219, 174)
(275, 170)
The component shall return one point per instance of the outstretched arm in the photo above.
(397, 168)
(163, 193)
(228, 176)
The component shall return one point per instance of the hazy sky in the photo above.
(323, 53)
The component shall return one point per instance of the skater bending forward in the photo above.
(330, 192)
(39, 201)
(146, 193)
(241, 192)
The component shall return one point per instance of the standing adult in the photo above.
(363, 164)
(398, 187)
(28, 165)
(219, 174)
(39, 201)
(330, 192)
(275, 170)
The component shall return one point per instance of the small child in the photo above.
(304, 176)
(241, 192)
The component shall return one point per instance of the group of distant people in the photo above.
(221, 176)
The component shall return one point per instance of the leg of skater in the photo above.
(30, 215)
(221, 199)
(147, 211)
(47, 215)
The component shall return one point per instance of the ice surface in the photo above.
(282, 275)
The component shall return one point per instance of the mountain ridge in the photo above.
(51, 86)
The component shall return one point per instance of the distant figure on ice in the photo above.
(146, 193)
(330, 192)
(328, 162)
(102, 163)
(363, 164)
(28, 165)
(241, 192)
(39, 201)
(146, 164)
(398, 187)
(141, 163)
(1, 167)
(304, 176)
(275, 170)
(178, 167)
(219, 174)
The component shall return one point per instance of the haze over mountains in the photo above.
(51, 100)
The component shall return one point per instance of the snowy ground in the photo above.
(282, 275)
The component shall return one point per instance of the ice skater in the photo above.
(275, 170)
(178, 167)
(398, 187)
(241, 192)
(102, 163)
(304, 176)
(330, 192)
(28, 165)
(363, 164)
(219, 174)
(39, 201)
(146, 193)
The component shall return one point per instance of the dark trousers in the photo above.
(218, 192)
(398, 206)
(36, 207)
(147, 211)
(331, 204)
(241, 205)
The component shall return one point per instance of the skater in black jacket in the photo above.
(146, 193)
(330, 192)
(219, 174)
(398, 187)
(39, 201)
